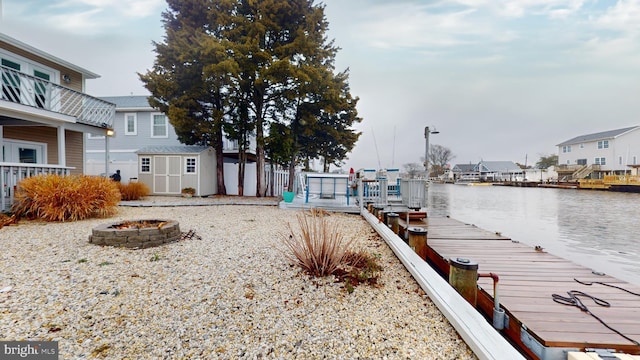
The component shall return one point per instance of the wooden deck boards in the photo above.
(528, 278)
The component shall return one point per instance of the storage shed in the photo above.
(166, 170)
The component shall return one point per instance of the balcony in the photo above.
(38, 93)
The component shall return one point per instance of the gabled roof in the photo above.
(464, 167)
(498, 166)
(179, 149)
(598, 136)
(30, 49)
(129, 102)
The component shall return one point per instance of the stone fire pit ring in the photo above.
(136, 234)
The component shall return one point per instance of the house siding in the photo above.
(626, 145)
(76, 77)
(123, 147)
(48, 136)
(74, 151)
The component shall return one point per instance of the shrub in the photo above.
(133, 191)
(64, 198)
(319, 248)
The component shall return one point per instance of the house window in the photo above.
(620, 160)
(159, 126)
(94, 136)
(145, 165)
(130, 124)
(581, 146)
(604, 144)
(634, 160)
(190, 165)
(10, 81)
(600, 161)
(581, 161)
(566, 149)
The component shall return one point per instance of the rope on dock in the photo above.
(605, 284)
(574, 300)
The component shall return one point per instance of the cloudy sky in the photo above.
(499, 79)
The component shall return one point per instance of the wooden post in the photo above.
(392, 222)
(418, 241)
(463, 276)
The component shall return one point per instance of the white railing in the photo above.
(12, 173)
(32, 91)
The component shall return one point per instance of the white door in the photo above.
(167, 175)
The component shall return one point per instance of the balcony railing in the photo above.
(12, 173)
(39, 93)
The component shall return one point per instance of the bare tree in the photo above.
(413, 169)
(439, 157)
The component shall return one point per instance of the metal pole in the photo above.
(426, 150)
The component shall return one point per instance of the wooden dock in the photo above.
(528, 278)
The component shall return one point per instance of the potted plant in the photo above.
(188, 192)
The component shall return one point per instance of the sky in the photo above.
(497, 79)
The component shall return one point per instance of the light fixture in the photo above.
(110, 132)
(66, 78)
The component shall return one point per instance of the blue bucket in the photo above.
(288, 196)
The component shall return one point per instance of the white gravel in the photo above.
(231, 294)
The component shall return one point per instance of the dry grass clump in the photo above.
(65, 198)
(320, 249)
(133, 191)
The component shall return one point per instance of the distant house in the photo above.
(44, 114)
(465, 172)
(498, 171)
(137, 125)
(613, 152)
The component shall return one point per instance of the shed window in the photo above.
(190, 165)
(145, 165)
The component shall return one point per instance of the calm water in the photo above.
(597, 229)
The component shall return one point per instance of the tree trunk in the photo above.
(222, 190)
(292, 176)
(261, 189)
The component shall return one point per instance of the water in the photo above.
(597, 229)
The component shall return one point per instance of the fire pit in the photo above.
(136, 234)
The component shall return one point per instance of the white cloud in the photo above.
(624, 17)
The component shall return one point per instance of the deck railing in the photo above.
(12, 173)
(18, 87)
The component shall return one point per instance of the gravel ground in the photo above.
(231, 294)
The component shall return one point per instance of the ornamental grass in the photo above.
(318, 247)
(133, 191)
(65, 198)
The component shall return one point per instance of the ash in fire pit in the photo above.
(136, 234)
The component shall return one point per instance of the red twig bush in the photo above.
(133, 191)
(65, 198)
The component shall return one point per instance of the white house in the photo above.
(612, 152)
(44, 114)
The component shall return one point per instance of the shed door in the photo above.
(166, 178)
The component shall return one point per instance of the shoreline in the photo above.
(231, 294)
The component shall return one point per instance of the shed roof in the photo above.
(598, 136)
(179, 149)
(129, 102)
